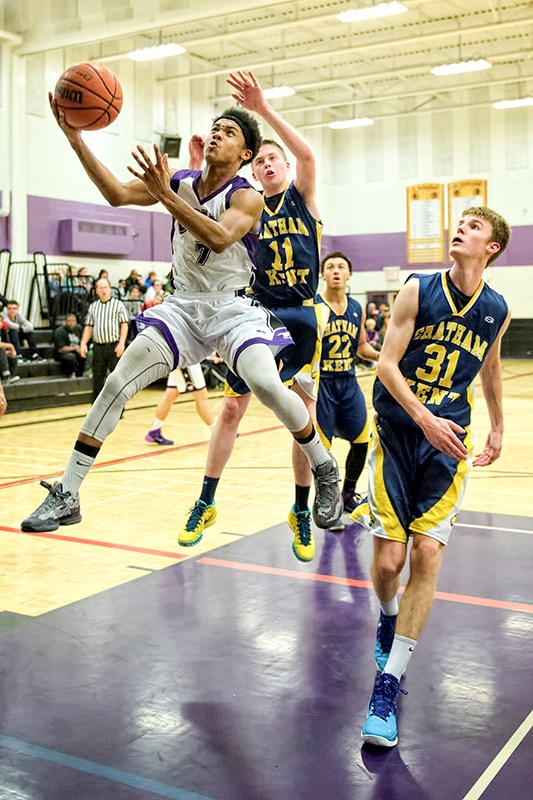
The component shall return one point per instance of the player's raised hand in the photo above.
(70, 132)
(154, 174)
(196, 151)
(248, 92)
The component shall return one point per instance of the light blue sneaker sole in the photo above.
(377, 740)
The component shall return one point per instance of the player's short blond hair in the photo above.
(501, 230)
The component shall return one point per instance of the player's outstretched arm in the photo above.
(240, 218)
(439, 431)
(115, 192)
(491, 384)
(249, 94)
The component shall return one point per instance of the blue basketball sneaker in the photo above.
(384, 639)
(381, 726)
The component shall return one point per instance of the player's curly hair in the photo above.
(249, 127)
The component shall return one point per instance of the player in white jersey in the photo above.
(214, 212)
(180, 383)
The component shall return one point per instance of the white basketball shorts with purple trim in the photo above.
(195, 324)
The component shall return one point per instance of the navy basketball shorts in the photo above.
(412, 486)
(301, 360)
(341, 410)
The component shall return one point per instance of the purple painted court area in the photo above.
(207, 681)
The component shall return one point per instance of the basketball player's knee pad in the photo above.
(286, 405)
(139, 367)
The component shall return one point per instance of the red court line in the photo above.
(313, 576)
(96, 543)
(279, 571)
(124, 459)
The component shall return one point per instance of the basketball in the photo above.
(89, 95)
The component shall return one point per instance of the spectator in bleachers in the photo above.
(134, 279)
(122, 292)
(150, 279)
(372, 337)
(83, 279)
(55, 281)
(155, 288)
(67, 339)
(20, 330)
(133, 302)
(371, 310)
(383, 314)
(157, 298)
(8, 363)
(382, 324)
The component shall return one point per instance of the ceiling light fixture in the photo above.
(157, 51)
(474, 65)
(358, 122)
(522, 101)
(278, 91)
(372, 12)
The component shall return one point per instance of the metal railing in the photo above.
(41, 300)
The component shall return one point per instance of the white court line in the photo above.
(492, 528)
(497, 763)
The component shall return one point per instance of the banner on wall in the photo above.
(462, 195)
(425, 223)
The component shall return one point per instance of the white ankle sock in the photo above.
(157, 424)
(400, 655)
(76, 471)
(315, 451)
(390, 608)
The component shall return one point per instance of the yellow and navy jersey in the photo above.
(340, 339)
(446, 351)
(287, 254)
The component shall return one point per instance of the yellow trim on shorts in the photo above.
(361, 514)
(387, 519)
(364, 436)
(437, 514)
(229, 392)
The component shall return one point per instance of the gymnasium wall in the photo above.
(362, 173)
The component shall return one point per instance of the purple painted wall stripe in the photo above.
(152, 229)
(373, 251)
(5, 231)
(368, 252)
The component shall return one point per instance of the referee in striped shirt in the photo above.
(107, 325)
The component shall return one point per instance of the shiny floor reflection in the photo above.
(245, 676)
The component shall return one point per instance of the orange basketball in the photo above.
(89, 95)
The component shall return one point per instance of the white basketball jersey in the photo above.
(196, 268)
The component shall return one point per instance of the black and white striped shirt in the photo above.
(105, 319)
